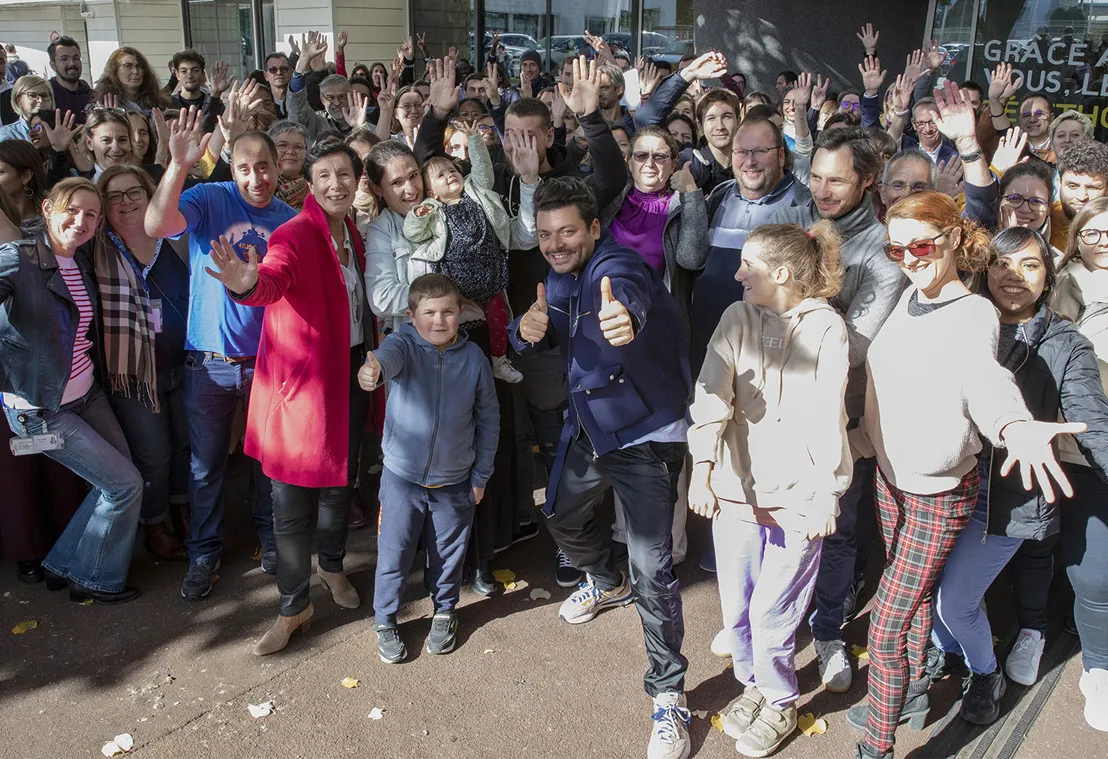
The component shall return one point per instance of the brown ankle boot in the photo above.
(277, 637)
(161, 543)
(342, 591)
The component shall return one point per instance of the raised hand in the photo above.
(558, 109)
(933, 56)
(421, 42)
(187, 141)
(237, 275)
(354, 112)
(443, 97)
(584, 98)
(869, 39)
(162, 130)
(452, 52)
(913, 66)
(526, 88)
(108, 100)
(1009, 151)
(948, 180)
(1002, 88)
(802, 94)
(525, 155)
(369, 373)
(220, 78)
(405, 49)
(615, 321)
(293, 46)
(819, 92)
(956, 120)
(711, 65)
(649, 77)
(902, 92)
(313, 44)
(603, 52)
(532, 327)
(340, 42)
(1029, 446)
(241, 102)
(682, 180)
(61, 134)
(873, 76)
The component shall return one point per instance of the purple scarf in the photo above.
(640, 225)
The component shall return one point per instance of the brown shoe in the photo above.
(358, 518)
(161, 543)
(277, 637)
(345, 594)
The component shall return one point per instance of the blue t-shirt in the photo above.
(216, 322)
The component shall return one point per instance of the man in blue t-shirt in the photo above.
(222, 338)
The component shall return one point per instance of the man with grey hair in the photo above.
(908, 171)
(928, 137)
(343, 109)
(612, 86)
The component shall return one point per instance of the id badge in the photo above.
(156, 314)
(25, 446)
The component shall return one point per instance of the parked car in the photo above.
(652, 42)
(515, 45)
(675, 51)
(562, 45)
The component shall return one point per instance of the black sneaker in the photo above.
(567, 575)
(444, 625)
(269, 560)
(526, 532)
(941, 664)
(199, 579)
(981, 699)
(850, 603)
(389, 645)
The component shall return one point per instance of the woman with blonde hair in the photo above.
(1068, 128)
(128, 81)
(771, 458)
(30, 94)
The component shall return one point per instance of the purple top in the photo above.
(640, 225)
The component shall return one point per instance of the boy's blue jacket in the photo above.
(442, 419)
(617, 395)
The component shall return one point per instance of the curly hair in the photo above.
(941, 212)
(150, 94)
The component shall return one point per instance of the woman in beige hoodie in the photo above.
(771, 459)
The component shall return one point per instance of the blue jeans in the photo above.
(1085, 547)
(94, 550)
(213, 389)
(159, 444)
(961, 626)
(840, 551)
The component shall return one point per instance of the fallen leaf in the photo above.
(125, 741)
(350, 682)
(509, 586)
(490, 650)
(25, 626)
(503, 575)
(376, 713)
(86, 602)
(810, 726)
(717, 722)
(263, 709)
(700, 715)
(860, 653)
(539, 594)
(257, 554)
(995, 640)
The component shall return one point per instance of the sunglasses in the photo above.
(918, 249)
(278, 69)
(641, 156)
(850, 106)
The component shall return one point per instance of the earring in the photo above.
(29, 192)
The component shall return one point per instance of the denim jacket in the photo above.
(38, 322)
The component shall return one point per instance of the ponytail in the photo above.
(811, 256)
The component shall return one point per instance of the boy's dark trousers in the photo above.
(444, 515)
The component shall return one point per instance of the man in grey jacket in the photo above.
(845, 165)
(341, 112)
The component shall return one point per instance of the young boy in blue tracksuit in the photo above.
(441, 427)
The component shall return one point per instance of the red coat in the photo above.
(299, 417)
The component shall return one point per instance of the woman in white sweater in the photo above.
(771, 459)
(934, 388)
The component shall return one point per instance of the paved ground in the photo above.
(179, 676)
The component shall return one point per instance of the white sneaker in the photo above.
(834, 666)
(721, 646)
(588, 600)
(1094, 685)
(669, 738)
(502, 369)
(1022, 665)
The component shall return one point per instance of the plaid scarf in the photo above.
(293, 191)
(128, 324)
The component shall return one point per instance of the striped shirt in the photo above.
(80, 372)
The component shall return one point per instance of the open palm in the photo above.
(237, 275)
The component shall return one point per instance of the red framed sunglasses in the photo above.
(919, 248)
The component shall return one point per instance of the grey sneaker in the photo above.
(834, 666)
(390, 647)
(199, 579)
(768, 731)
(742, 714)
(444, 626)
(589, 600)
(669, 738)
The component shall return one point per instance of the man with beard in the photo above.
(334, 92)
(71, 93)
(189, 66)
(1082, 176)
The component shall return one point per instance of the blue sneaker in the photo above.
(199, 579)
(669, 738)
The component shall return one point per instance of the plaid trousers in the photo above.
(919, 533)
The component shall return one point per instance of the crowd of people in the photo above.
(817, 319)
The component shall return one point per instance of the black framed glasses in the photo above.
(899, 186)
(135, 193)
(757, 153)
(1091, 236)
(1035, 204)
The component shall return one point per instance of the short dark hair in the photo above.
(713, 96)
(188, 55)
(867, 160)
(254, 135)
(759, 112)
(1013, 239)
(1086, 157)
(362, 81)
(672, 145)
(849, 118)
(525, 107)
(662, 65)
(329, 146)
(969, 84)
(428, 286)
(381, 154)
(885, 143)
(52, 48)
(560, 192)
(1034, 168)
(789, 74)
(275, 54)
(473, 78)
(480, 105)
(362, 134)
(619, 125)
(1040, 96)
(684, 120)
(778, 135)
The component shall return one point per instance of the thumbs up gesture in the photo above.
(369, 373)
(532, 327)
(615, 322)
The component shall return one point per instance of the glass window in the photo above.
(664, 23)
(446, 23)
(226, 29)
(952, 29)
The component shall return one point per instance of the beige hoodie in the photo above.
(774, 425)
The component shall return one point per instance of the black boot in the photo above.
(864, 751)
(914, 712)
(29, 572)
(981, 697)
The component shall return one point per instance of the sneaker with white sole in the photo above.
(721, 645)
(669, 738)
(502, 369)
(589, 600)
(1094, 686)
(742, 714)
(834, 666)
(1022, 665)
(768, 731)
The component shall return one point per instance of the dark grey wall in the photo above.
(762, 38)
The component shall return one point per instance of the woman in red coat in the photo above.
(306, 409)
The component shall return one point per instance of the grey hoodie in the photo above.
(442, 419)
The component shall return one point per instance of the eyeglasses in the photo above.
(283, 147)
(1036, 114)
(135, 193)
(129, 66)
(278, 69)
(410, 107)
(919, 248)
(1035, 204)
(38, 97)
(484, 128)
(756, 153)
(850, 106)
(1092, 236)
(641, 156)
(899, 186)
(921, 125)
